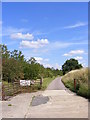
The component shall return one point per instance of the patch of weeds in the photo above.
(32, 100)
(9, 104)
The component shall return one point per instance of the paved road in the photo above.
(60, 105)
(57, 85)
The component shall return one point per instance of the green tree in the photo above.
(69, 65)
(32, 60)
(5, 52)
(32, 70)
(17, 55)
(15, 67)
(12, 70)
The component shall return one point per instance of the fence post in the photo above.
(41, 82)
(74, 84)
(3, 92)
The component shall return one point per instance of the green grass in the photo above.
(32, 100)
(81, 77)
(46, 82)
(9, 104)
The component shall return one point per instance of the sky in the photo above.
(50, 32)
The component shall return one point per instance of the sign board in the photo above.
(25, 82)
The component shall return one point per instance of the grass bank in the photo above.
(81, 77)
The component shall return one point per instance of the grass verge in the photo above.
(81, 77)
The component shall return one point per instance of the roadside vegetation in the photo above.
(81, 77)
(15, 68)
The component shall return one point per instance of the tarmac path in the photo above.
(57, 85)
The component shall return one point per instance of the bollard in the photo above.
(74, 84)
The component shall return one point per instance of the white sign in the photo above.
(25, 82)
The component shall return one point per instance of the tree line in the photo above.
(16, 67)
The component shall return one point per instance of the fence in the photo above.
(11, 89)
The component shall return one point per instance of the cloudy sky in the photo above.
(50, 32)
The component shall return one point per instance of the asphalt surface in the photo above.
(40, 99)
(57, 84)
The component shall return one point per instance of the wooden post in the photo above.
(40, 82)
(3, 92)
(74, 84)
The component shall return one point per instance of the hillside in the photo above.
(81, 77)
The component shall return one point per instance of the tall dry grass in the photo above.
(81, 77)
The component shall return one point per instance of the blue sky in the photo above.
(50, 32)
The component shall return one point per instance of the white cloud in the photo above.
(80, 24)
(57, 66)
(83, 62)
(34, 44)
(74, 52)
(27, 36)
(46, 65)
(41, 60)
(78, 58)
(7, 31)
